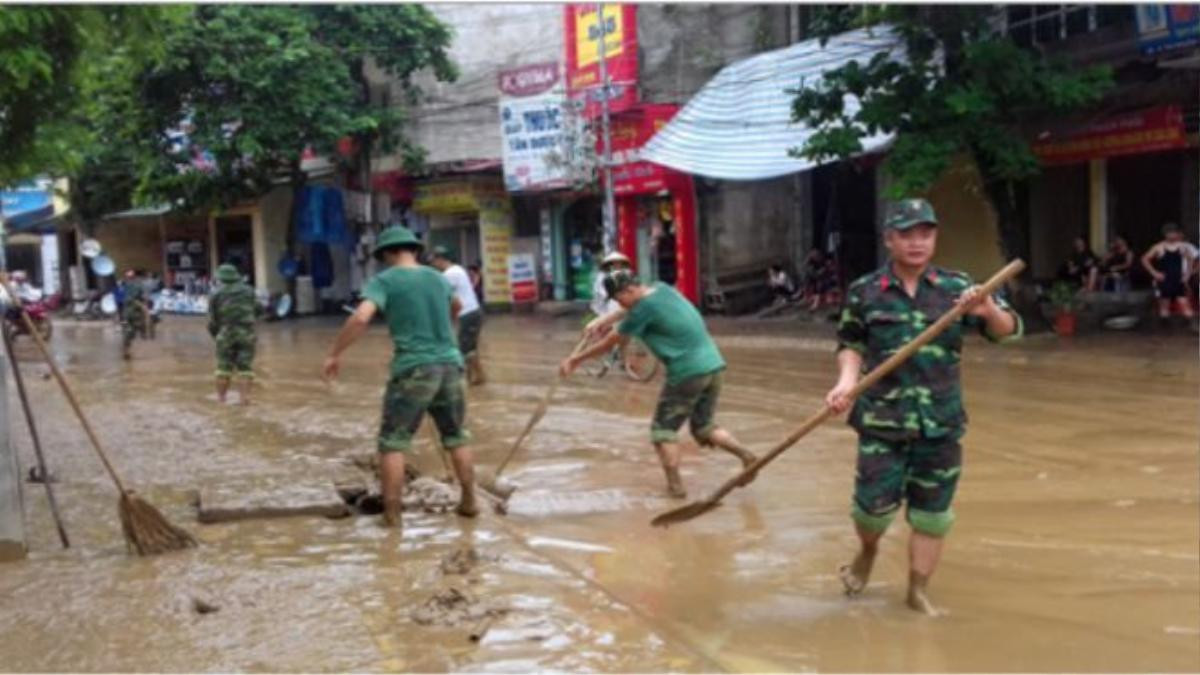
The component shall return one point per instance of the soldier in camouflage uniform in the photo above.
(231, 313)
(910, 423)
(133, 313)
(427, 367)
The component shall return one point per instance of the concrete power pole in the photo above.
(12, 510)
(609, 212)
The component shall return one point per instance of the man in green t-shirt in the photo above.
(675, 333)
(427, 368)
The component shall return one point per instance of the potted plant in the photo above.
(1062, 300)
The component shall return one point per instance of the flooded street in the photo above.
(1076, 547)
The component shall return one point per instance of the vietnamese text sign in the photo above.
(1150, 130)
(1165, 27)
(495, 233)
(522, 277)
(583, 30)
(630, 131)
(531, 128)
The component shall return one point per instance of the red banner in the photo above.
(1150, 130)
(582, 33)
(630, 131)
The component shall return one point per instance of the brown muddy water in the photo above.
(1076, 547)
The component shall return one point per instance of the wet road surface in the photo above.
(1076, 547)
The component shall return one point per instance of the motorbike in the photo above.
(39, 313)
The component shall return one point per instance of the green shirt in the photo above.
(923, 397)
(674, 331)
(416, 303)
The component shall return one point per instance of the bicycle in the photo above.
(634, 359)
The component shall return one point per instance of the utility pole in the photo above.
(609, 212)
(12, 509)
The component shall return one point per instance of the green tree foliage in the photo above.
(964, 90)
(49, 57)
(254, 86)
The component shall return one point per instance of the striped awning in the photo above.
(739, 126)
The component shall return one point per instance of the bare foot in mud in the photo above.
(748, 459)
(467, 508)
(918, 600)
(392, 516)
(675, 488)
(856, 575)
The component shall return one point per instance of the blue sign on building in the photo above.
(26, 204)
(1164, 28)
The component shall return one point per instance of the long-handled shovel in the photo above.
(37, 442)
(146, 530)
(697, 508)
(491, 481)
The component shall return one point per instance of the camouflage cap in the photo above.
(228, 274)
(396, 236)
(617, 281)
(909, 213)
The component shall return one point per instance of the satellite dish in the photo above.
(103, 266)
(283, 306)
(108, 304)
(90, 248)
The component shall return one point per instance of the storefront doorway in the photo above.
(583, 245)
(235, 243)
(844, 217)
(461, 236)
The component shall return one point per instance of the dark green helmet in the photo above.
(397, 237)
(228, 274)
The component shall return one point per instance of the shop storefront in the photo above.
(656, 206)
(472, 217)
(1122, 176)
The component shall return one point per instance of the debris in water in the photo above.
(35, 476)
(201, 606)
(430, 495)
(454, 607)
(464, 560)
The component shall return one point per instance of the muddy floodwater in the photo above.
(1075, 549)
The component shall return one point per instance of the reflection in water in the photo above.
(1076, 537)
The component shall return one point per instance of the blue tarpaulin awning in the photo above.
(739, 125)
(27, 204)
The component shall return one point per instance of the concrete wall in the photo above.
(681, 46)
(461, 120)
(748, 223)
(967, 237)
(132, 243)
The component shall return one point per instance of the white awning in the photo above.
(738, 127)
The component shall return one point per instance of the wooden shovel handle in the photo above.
(62, 382)
(538, 412)
(1009, 271)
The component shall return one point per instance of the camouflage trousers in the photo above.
(694, 400)
(133, 325)
(434, 388)
(235, 352)
(469, 326)
(923, 472)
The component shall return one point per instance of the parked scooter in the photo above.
(38, 311)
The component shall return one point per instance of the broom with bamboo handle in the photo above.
(697, 508)
(146, 530)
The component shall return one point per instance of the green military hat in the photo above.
(396, 236)
(228, 274)
(909, 213)
(440, 251)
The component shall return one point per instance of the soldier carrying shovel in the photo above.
(909, 423)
